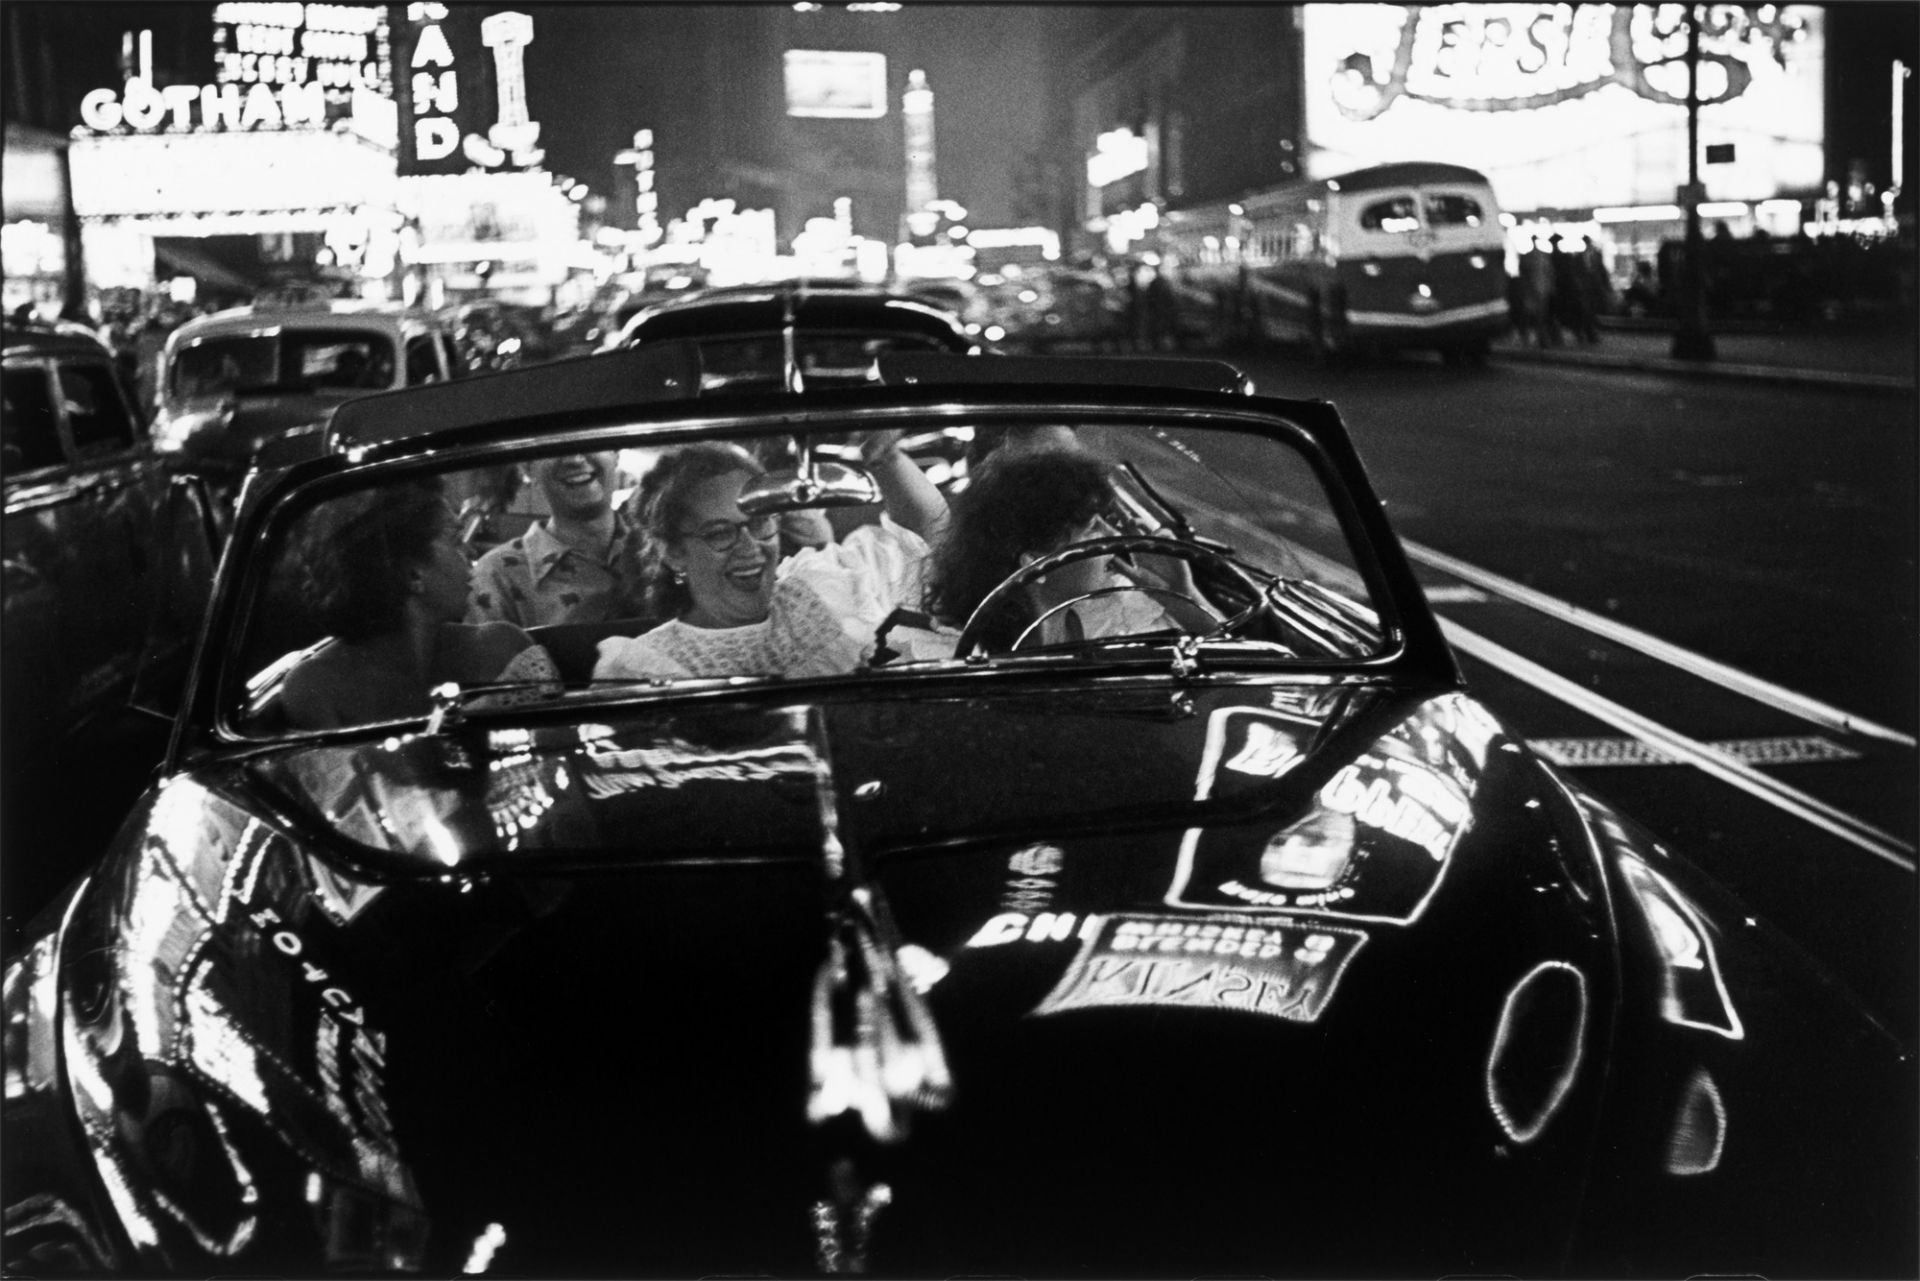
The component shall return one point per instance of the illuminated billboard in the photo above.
(340, 47)
(1568, 106)
(836, 85)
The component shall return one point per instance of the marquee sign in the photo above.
(142, 108)
(165, 175)
(340, 47)
(1503, 87)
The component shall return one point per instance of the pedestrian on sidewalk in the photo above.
(1536, 274)
(1597, 282)
(1571, 293)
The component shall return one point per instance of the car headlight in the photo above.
(172, 432)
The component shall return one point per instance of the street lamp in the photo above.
(1691, 341)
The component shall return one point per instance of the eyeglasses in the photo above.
(720, 536)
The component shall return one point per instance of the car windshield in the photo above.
(297, 360)
(628, 566)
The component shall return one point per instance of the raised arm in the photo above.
(906, 493)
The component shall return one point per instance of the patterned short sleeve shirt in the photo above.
(536, 579)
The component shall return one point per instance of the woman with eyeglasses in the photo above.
(734, 606)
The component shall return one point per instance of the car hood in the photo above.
(234, 426)
(1161, 978)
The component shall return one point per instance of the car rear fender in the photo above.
(57, 1214)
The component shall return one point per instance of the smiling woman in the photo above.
(733, 606)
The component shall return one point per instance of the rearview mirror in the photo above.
(814, 485)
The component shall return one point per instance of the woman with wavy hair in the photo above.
(1026, 504)
(734, 605)
(385, 575)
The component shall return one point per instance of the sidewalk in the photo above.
(1856, 356)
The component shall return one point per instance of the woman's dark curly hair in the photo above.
(1014, 503)
(354, 554)
(657, 512)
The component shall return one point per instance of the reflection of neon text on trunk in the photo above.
(1414, 806)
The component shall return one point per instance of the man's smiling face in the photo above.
(579, 486)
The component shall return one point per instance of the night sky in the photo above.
(597, 72)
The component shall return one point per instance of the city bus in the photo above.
(1408, 255)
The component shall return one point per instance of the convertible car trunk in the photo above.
(613, 1064)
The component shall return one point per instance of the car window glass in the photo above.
(1253, 498)
(216, 366)
(1452, 209)
(422, 365)
(29, 435)
(1394, 215)
(333, 359)
(97, 416)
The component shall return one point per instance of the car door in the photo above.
(34, 672)
(118, 492)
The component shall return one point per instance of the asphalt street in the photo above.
(1636, 551)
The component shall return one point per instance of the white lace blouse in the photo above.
(827, 604)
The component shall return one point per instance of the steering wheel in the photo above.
(1147, 544)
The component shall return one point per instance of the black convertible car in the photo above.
(1251, 945)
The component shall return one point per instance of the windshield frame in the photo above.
(217, 690)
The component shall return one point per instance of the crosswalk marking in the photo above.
(1788, 749)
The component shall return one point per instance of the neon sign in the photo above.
(435, 86)
(182, 108)
(1476, 84)
(341, 47)
(431, 88)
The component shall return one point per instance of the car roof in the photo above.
(566, 391)
(331, 314)
(34, 340)
(765, 312)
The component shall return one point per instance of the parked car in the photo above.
(107, 571)
(235, 379)
(839, 332)
(1249, 946)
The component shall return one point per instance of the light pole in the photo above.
(1691, 341)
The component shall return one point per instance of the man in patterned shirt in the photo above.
(562, 570)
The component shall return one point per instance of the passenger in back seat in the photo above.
(386, 576)
(567, 568)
